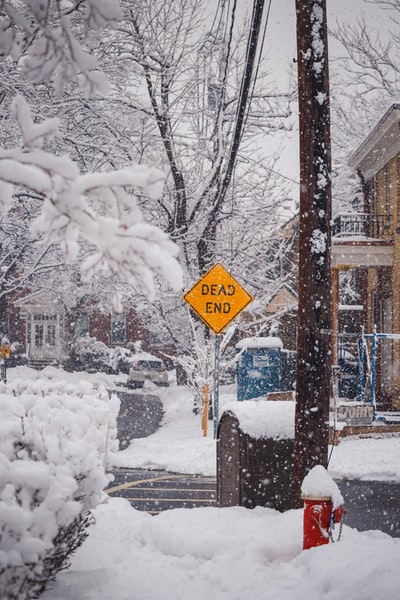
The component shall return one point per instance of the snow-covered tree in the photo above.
(174, 91)
(365, 81)
(99, 207)
(52, 451)
(186, 77)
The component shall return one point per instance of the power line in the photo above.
(251, 52)
(258, 62)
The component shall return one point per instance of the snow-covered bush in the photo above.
(121, 359)
(54, 439)
(92, 355)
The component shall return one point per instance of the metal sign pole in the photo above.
(217, 346)
(217, 298)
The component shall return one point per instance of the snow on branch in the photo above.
(95, 206)
(42, 39)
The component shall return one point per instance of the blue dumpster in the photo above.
(258, 367)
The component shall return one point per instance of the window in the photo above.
(40, 317)
(45, 330)
(39, 336)
(150, 364)
(51, 335)
(118, 328)
(82, 327)
(157, 338)
(214, 95)
(369, 206)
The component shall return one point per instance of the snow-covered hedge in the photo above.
(54, 439)
(92, 355)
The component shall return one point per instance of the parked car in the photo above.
(146, 367)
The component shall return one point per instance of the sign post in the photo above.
(216, 383)
(217, 298)
(5, 352)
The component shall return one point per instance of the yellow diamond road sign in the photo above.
(217, 298)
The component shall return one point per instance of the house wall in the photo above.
(17, 328)
(284, 306)
(100, 326)
(395, 291)
(135, 330)
(383, 284)
(287, 330)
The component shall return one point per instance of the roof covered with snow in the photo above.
(381, 144)
(260, 342)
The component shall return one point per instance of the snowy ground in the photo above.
(224, 553)
(179, 445)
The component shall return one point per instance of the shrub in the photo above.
(121, 359)
(92, 355)
(53, 443)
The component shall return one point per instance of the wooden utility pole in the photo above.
(314, 313)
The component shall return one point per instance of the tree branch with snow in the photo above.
(96, 206)
(39, 35)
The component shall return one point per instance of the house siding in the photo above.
(383, 284)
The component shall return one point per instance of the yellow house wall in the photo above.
(389, 213)
(390, 230)
(372, 279)
(395, 231)
(395, 234)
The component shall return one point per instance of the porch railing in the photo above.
(359, 224)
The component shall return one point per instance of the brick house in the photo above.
(39, 322)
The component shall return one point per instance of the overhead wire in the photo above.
(210, 40)
(247, 83)
(228, 44)
(228, 51)
(253, 57)
(258, 63)
(254, 76)
(252, 41)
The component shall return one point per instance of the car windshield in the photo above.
(150, 364)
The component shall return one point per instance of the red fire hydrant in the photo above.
(321, 511)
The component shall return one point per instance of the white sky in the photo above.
(280, 49)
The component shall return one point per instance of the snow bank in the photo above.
(53, 443)
(224, 554)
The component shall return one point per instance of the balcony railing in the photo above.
(360, 225)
